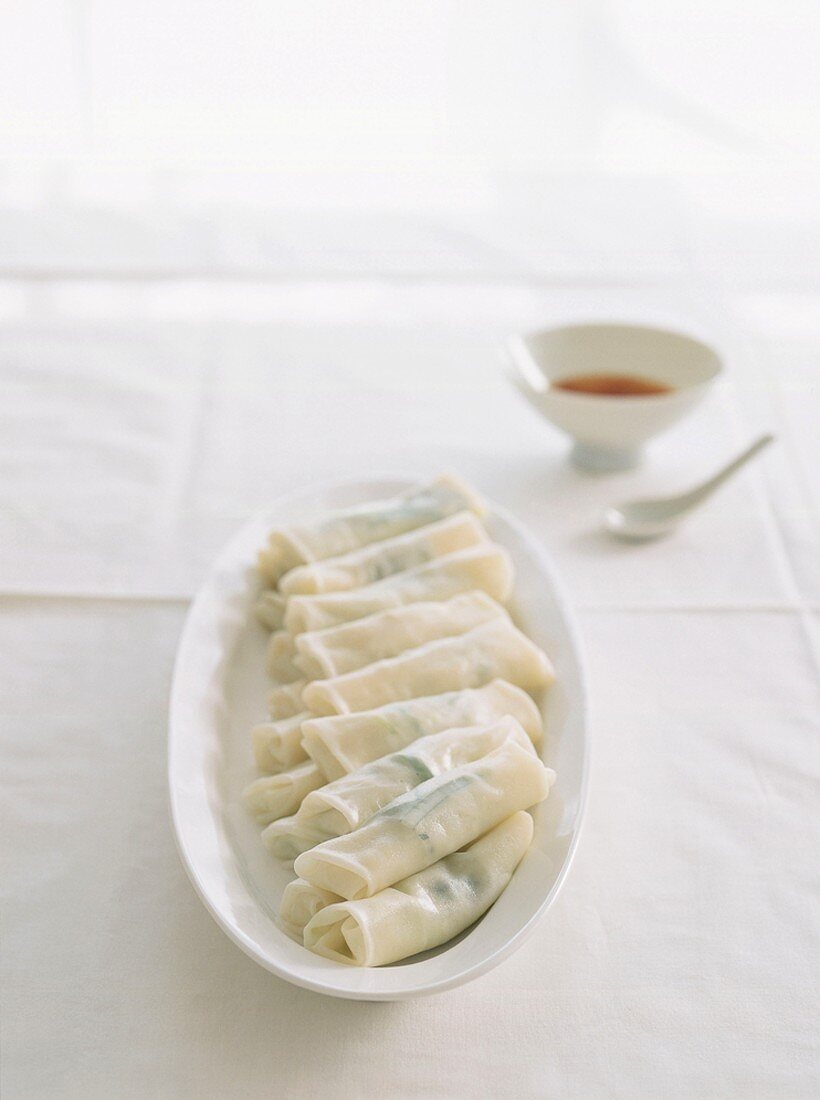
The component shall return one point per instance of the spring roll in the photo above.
(486, 568)
(278, 745)
(300, 902)
(341, 532)
(287, 837)
(344, 742)
(424, 910)
(285, 700)
(340, 649)
(275, 796)
(494, 650)
(270, 610)
(420, 827)
(280, 658)
(346, 803)
(384, 559)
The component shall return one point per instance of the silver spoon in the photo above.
(656, 516)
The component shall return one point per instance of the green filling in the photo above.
(415, 764)
(411, 810)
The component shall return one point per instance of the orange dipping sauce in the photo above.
(612, 385)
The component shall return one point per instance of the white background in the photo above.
(247, 246)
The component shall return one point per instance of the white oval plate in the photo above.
(218, 693)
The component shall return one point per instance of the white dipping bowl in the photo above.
(610, 431)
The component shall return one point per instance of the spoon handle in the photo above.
(732, 467)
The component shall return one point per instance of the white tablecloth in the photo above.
(142, 421)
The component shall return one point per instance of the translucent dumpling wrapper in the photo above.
(340, 649)
(345, 530)
(346, 803)
(384, 559)
(285, 700)
(342, 743)
(494, 650)
(280, 658)
(300, 903)
(278, 745)
(427, 908)
(275, 796)
(439, 816)
(287, 837)
(270, 610)
(485, 568)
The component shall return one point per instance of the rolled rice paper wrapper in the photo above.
(280, 656)
(300, 902)
(485, 568)
(285, 700)
(345, 530)
(275, 796)
(494, 650)
(340, 649)
(346, 803)
(278, 745)
(287, 837)
(342, 743)
(270, 610)
(425, 909)
(383, 559)
(420, 827)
